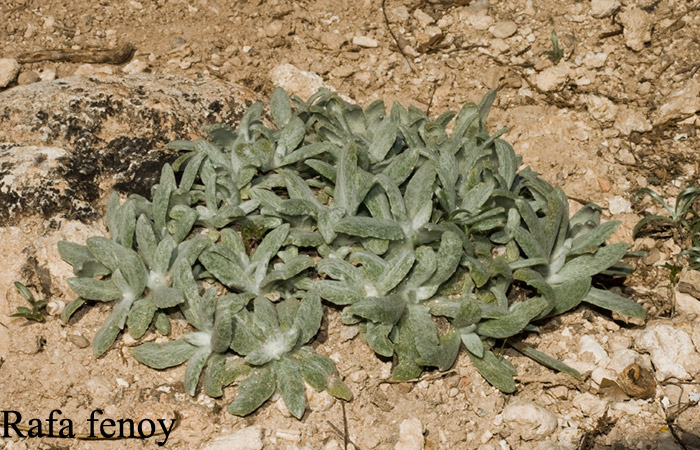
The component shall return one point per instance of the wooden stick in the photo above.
(118, 55)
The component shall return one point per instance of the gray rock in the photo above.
(604, 8)
(67, 142)
(529, 420)
(9, 68)
(503, 30)
(249, 438)
(410, 435)
(672, 352)
(637, 26)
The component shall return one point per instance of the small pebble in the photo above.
(9, 68)
(410, 435)
(365, 41)
(78, 340)
(503, 30)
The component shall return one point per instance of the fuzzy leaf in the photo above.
(308, 317)
(370, 227)
(496, 371)
(194, 369)
(253, 391)
(291, 386)
(140, 317)
(110, 329)
(91, 289)
(279, 106)
(163, 355)
(615, 303)
(378, 309)
(377, 335)
(512, 323)
(589, 265)
(83, 262)
(71, 308)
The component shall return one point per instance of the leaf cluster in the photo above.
(430, 240)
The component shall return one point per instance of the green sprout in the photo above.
(36, 312)
(555, 54)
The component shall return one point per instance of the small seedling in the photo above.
(555, 54)
(36, 312)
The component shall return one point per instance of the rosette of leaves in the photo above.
(140, 281)
(206, 348)
(272, 339)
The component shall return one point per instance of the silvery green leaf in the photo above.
(474, 198)
(163, 255)
(370, 227)
(338, 292)
(589, 265)
(615, 303)
(163, 355)
(297, 187)
(339, 269)
(402, 165)
(276, 346)
(166, 297)
(377, 335)
(473, 343)
(477, 271)
(291, 135)
(115, 256)
(569, 294)
(383, 140)
(83, 262)
(398, 266)
(496, 371)
(140, 317)
(373, 266)
(394, 196)
(376, 246)
(146, 239)
(185, 219)
(291, 386)
(535, 279)
(112, 215)
(378, 309)
(225, 269)
(448, 257)
(508, 162)
(161, 197)
(110, 329)
(517, 318)
(322, 167)
(265, 316)
(345, 192)
(297, 207)
(233, 241)
(194, 369)
(308, 318)
(590, 241)
(316, 369)
(305, 152)
(327, 220)
(303, 238)
(270, 245)
(377, 203)
(532, 248)
(189, 250)
(407, 367)
(162, 323)
(424, 268)
(246, 336)
(71, 308)
(91, 289)
(419, 194)
(127, 224)
(432, 352)
(266, 198)
(183, 280)
(221, 371)
(287, 311)
(545, 360)
(279, 106)
(222, 334)
(253, 391)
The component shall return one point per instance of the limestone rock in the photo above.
(680, 104)
(604, 8)
(671, 350)
(503, 30)
(552, 78)
(631, 119)
(249, 438)
(67, 142)
(601, 108)
(529, 420)
(296, 81)
(410, 435)
(9, 68)
(637, 26)
(365, 41)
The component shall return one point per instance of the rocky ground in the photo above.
(617, 112)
